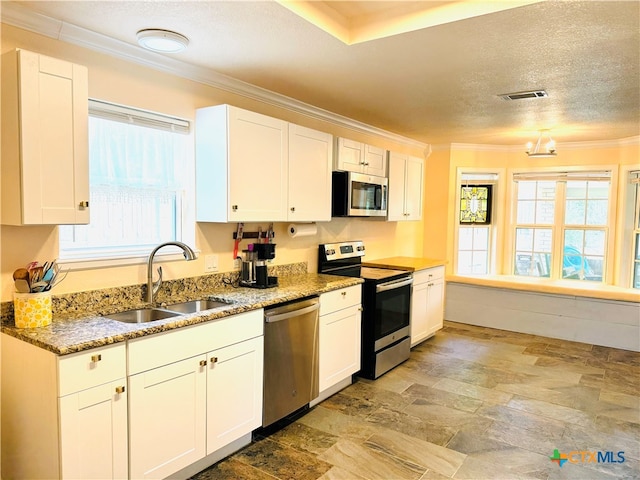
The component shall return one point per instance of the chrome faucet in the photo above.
(153, 287)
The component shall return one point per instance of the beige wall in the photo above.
(130, 84)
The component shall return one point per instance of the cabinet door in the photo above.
(93, 432)
(51, 163)
(234, 392)
(258, 154)
(419, 313)
(167, 418)
(397, 193)
(310, 159)
(375, 161)
(339, 341)
(435, 306)
(349, 155)
(414, 180)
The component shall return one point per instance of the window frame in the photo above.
(185, 212)
(494, 260)
(629, 201)
(558, 227)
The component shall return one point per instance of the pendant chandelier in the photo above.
(545, 146)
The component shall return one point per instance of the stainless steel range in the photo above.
(386, 301)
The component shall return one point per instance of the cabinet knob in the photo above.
(83, 205)
(234, 208)
(344, 294)
(120, 389)
(360, 309)
(96, 358)
(203, 363)
(213, 359)
(293, 209)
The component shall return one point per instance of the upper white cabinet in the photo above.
(310, 158)
(406, 176)
(359, 157)
(241, 166)
(252, 167)
(45, 162)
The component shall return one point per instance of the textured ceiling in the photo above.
(437, 84)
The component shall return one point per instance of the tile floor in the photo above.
(471, 403)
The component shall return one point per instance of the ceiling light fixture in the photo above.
(163, 41)
(549, 149)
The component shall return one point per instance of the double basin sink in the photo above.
(149, 314)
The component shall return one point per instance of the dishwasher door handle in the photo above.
(277, 317)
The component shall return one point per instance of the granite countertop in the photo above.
(410, 264)
(72, 333)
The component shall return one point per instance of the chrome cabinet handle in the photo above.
(96, 358)
(120, 389)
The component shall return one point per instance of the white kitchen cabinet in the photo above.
(352, 156)
(63, 416)
(234, 392)
(427, 303)
(193, 391)
(406, 178)
(167, 418)
(45, 158)
(339, 336)
(241, 166)
(309, 183)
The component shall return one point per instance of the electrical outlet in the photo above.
(211, 263)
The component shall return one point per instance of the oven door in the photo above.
(392, 311)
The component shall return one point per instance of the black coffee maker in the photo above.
(254, 266)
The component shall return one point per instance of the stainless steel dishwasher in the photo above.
(290, 358)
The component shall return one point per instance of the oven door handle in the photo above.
(383, 287)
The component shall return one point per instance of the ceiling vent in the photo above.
(521, 95)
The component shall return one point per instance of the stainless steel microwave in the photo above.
(358, 195)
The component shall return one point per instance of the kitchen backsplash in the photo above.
(110, 300)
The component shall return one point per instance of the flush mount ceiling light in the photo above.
(540, 151)
(163, 41)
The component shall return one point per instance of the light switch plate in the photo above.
(211, 263)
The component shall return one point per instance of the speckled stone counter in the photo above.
(410, 264)
(73, 331)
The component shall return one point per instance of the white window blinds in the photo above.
(133, 116)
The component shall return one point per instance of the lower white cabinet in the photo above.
(339, 336)
(167, 418)
(234, 392)
(427, 303)
(93, 432)
(193, 391)
(63, 416)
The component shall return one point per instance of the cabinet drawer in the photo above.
(339, 299)
(156, 350)
(91, 368)
(428, 275)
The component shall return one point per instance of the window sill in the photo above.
(559, 287)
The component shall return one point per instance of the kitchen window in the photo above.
(562, 225)
(141, 180)
(635, 182)
(474, 232)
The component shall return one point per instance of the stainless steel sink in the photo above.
(196, 306)
(141, 315)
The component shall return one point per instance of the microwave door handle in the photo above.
(383, 287)
(384, 197)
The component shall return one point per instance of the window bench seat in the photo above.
(591, 313)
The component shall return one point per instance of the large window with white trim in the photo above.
(140, 168)
(635, 279)
(561, 225)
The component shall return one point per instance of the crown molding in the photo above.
(621, 142)
(15, 15)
